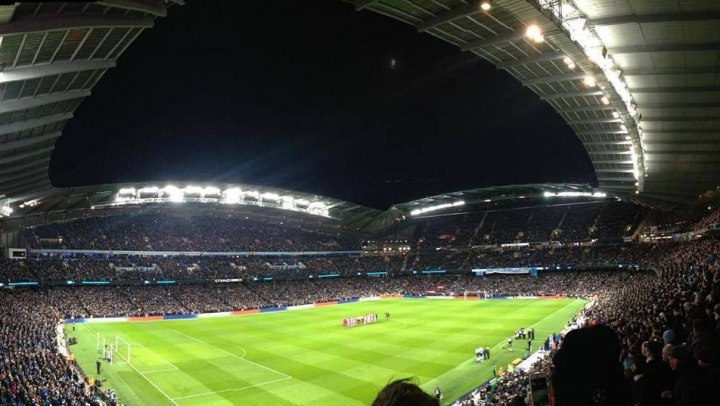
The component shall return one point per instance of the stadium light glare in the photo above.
(174, 193)
(211, 190)
(6, 210)
(232, 195)
(127, 191)
(567, 61)
(533, 32)
(148, 190)
(589, 81)
(615, 114)
(301, 202)
(605, 100)
(270, 196)
(486, 5)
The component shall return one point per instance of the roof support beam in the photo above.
(605, 162)
(554, 78)
(20, 157)
(32, 72)
(679, 105)
(655, 18)
(689, 131)
(679, 119)
(671, 71)
(29, 188)
(694, 89)
(479, 43)
(595, 121)
(23, 174)
(24, 142)
(29, 164)
(711, 46)
(629, 170)
(35, 122)
(599, 132)
(628, 143)
(582, 93)
(54, 22)
(21, 182)
(450, 15)
(155, 9)
(548, 56)
(363, 4)
(585, 108)
(42, 100)
(617, 179)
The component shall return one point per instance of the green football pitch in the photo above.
(307, 358)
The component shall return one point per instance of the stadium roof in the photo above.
(51, 56)
(58, 204)
(637, 80)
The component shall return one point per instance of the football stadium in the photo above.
(233, 293)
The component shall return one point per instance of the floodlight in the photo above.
(271, 196)
(533, 32)
(195, 190)
(486, 5)
(210, 190)
(589, 81)
(605, 100)
(151, 189)
(127, 191)
(616, 114)
(571, 66)
(301, 202)
(567, 61)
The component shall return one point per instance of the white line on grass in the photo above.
(231, 354)
(146, 378)
(174, 367)
(233, 390)
(500, 345)
(161, 370)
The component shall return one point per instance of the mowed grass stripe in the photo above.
(433, 341)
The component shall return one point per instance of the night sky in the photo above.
(303, 95)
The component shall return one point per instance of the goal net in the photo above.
(475, 294)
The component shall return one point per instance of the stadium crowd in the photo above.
(668, 346)
(564, 223)
(161, 232)
(139, 268)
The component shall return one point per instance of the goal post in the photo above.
(480, 294)
(122, 349)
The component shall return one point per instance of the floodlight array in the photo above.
(436, 207)
(575, 194)
(211, 194)
(573, 20)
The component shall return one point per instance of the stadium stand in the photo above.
(565, 223)
(684, 299)
(156, 232)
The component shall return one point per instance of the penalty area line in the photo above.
(232, 390)
(233, 355)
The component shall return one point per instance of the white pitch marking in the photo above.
(146, 378)
(231, 354)
(232, 390)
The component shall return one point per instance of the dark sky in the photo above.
(301, 95)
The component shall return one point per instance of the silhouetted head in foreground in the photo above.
(404, 393)
(587, 368)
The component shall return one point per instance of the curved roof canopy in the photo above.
(637, 80)
(51, 56)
